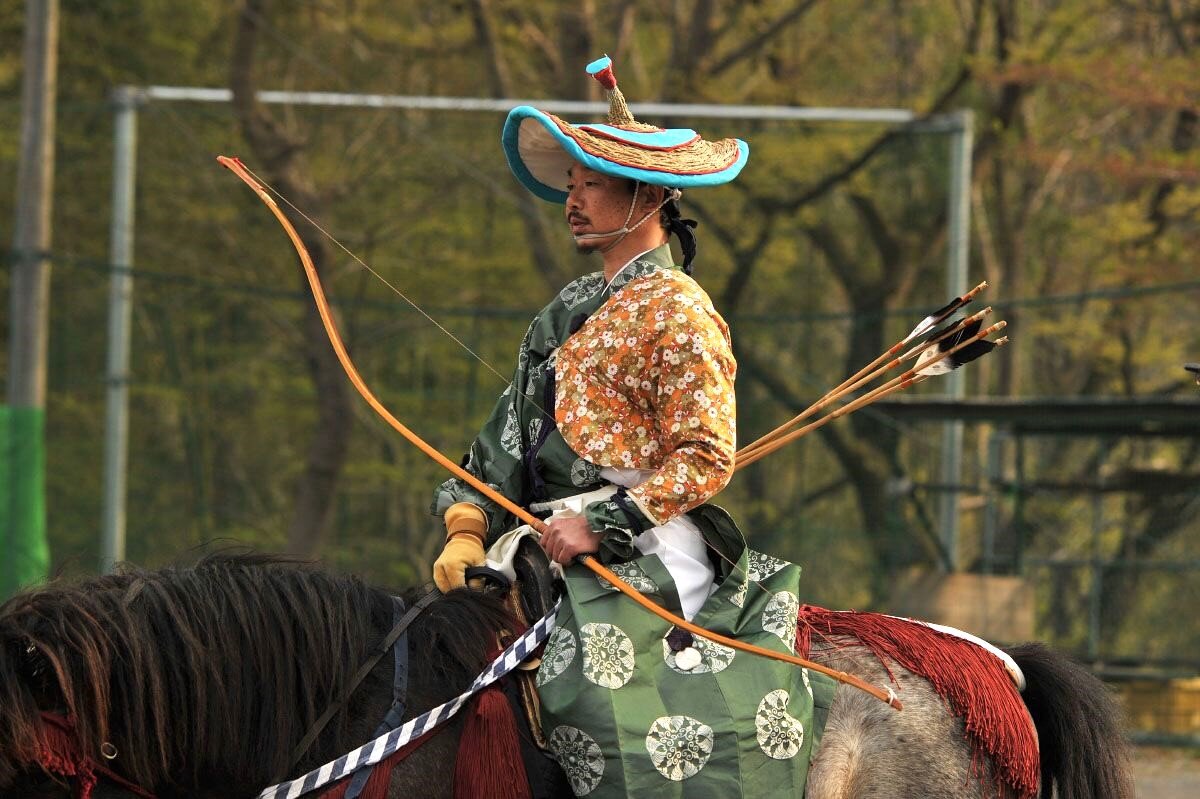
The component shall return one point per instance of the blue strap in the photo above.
(395, 714)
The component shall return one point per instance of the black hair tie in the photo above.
(682, 228)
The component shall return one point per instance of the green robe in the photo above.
(621, 716)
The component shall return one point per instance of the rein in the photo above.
(380, 650)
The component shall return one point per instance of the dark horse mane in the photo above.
(213, 671)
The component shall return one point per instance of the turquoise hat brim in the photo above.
(540, 154)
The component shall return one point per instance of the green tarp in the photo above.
(24, 553)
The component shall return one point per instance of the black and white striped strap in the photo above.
(374, 751)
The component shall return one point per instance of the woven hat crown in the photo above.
(541, 147)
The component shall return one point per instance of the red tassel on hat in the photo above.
(606, 77)
(489, 752)
(618, 111)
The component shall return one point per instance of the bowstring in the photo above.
(379, 277)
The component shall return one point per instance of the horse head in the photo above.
(52, 660)
(200, 681)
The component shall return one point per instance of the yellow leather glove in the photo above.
(466, 528)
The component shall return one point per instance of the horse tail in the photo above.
(1080, 732)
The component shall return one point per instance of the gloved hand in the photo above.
(466, 527)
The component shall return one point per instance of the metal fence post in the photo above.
(959, 220)
(116, 424)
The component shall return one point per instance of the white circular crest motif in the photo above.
(739, 596)
(559, 654)
(679, 746)
(779, 617)
(581, 290)
(760, 566)
(607, 655)
(510, 436)
(714, 657)
(633, 574)
(580, 757)
(780, 736)
(584, 473)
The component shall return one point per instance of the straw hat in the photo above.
(540, 148)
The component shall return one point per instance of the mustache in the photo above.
(573, 218)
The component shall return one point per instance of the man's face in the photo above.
(596, 203)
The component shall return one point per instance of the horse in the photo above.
(200, 681)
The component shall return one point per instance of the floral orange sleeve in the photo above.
(694, 408)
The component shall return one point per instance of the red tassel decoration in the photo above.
(489, 752)
(606, 78)
(380, 779)
(57, 753)
(968, 677)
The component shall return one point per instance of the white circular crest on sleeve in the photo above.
(760, 566)
(510, 436)
(739, 596)
(633, 574)
(578, 291)
(679, 746)
(559, 654)
(607, 655)
(584, 473)
(580, 758)
(779, 617)
(780, 736)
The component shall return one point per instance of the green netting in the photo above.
(25, 555)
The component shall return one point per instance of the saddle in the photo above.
(530, 597)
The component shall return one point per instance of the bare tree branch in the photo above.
(755, 44)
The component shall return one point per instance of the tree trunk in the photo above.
(279, 154)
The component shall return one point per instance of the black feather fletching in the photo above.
(968, 353)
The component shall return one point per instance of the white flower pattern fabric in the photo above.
(581, 290)
(729, 714)
(631, 573)
(762, 566)
(679, 746)
(780, 736)
(510, 438)
(584, 473)
(558, 655)
(607, 655)
(779, 617)
(739, 596)
(579, 756)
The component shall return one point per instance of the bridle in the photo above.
(61, 754)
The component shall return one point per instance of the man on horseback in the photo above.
(620, 419)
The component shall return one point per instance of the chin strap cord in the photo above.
(671, 196)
